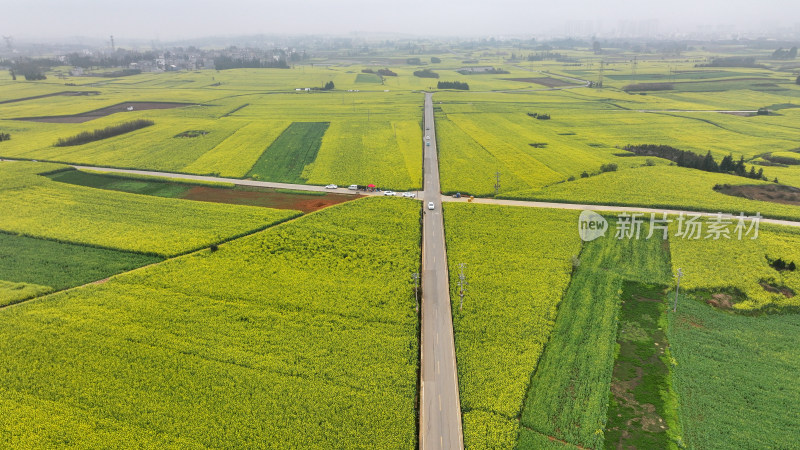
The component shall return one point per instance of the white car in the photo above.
(409, 194)
(427, 137)
(353, 187)
(331, 186)
(388, 193)
(431, 205)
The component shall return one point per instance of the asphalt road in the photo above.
(610, 208)
(237, 181)
(440, 407)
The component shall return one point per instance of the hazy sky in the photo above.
(171, 19)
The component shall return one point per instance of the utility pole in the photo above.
(462, 285)
(633, 68)
(415, 276)
(677, 288)
(600, 74)
(113, 47)
(497, 183)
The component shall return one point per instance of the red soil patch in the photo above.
(544, 81)
(269, 199)
(102, 112)
(786, 195)
(788, 293)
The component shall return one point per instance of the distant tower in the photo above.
(113, 48)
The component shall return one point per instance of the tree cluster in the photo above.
(426, 73)
(452, 85)
(734, 61)
(785, 54)
(414, 61)
(4, 137)
(685, 158)
(435, 60)
(103, 133)
(539, 116)
(781, 265)
(797, 81)
(328, 86)
(226, 62)
(381, 72)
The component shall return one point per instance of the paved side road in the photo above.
(610, 208)
(237, 181)
(440, 407)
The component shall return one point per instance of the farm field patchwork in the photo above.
(39, 207)
(569, 390)
(518, 266)
(661, 187)
(313, 318)
(739, 271)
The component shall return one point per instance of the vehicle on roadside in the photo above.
(428, 144)
(431, 205)
(409, 194)
(331, 186)
(353, 187)
(389, 193)
(427, 138)
(457, 195)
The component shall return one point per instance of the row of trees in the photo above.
(685, 158)
(226, 62)
(381, 72)
(452, 85)
(539, 116)
(426, 73)
(103, 133)
(785, 54)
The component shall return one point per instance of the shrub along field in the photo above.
(518, 266)
(39, 207)
(303, 335)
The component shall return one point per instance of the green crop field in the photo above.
(44, 266)
(313, 318)
(735, 377)
(286, 158)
